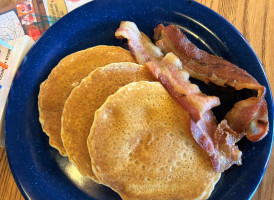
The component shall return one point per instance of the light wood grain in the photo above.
(254, 19)
(8, 188)
(4, 3)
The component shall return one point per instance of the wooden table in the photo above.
(254, 19)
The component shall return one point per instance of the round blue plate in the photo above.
(40, 172)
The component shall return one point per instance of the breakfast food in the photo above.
(141, 146)
(248, 117)
(55, 90)
(85, 99)
(149, 140)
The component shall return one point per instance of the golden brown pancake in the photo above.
(141, 146)
(85, 99)
(63, 78)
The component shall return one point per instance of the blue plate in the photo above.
(40, 172)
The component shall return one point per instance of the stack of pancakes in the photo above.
(121, 128)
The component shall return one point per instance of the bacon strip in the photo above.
(217, 140)
(200, 64)
(138, 43)
(248, 117)
(226, 152)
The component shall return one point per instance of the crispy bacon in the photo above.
(248, 117)
(138, 43)
(217, 140)
(200, 64)
(226, 152)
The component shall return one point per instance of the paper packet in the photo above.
(11, 58)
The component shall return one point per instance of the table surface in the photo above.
(254, 19)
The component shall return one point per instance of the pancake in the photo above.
(141, 146)
(85, 99)
(63, 78)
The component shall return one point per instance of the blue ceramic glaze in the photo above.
(40, 172)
